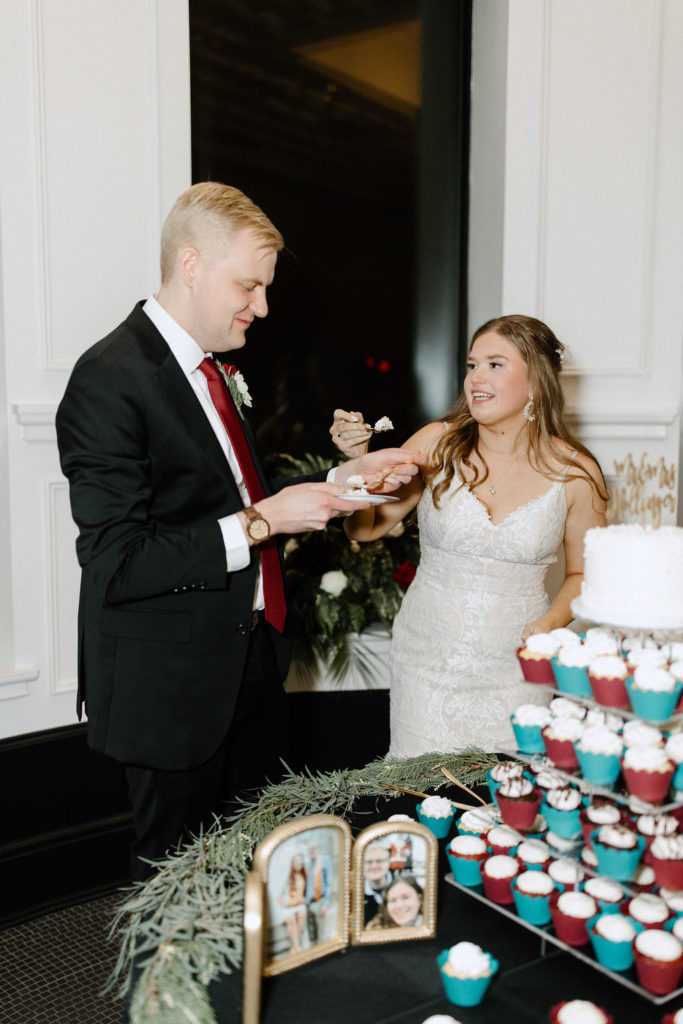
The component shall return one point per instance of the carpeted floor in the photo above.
(53, 969)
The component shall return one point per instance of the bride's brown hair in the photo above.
(542, 353)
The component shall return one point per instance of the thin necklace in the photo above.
(492, 489)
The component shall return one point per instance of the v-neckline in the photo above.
(514, 511)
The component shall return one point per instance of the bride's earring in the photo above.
(529, 411)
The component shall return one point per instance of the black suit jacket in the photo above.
(163, 629)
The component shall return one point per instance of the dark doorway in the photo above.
(332, 161)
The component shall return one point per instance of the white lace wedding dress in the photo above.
(455, 678)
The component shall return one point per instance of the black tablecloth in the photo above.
(400, 983)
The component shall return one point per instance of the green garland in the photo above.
(184, 925)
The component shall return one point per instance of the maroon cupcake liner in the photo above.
(572, 930)
(650, 786)
(668, 873)
(499, 890)
(536, 670)
(658, 976)
(519, 812)
(560, 752)
(611, 693)
(554, 1011)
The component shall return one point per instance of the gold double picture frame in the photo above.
(313, 889)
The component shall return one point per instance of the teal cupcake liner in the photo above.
(571, 679)
(528, 737)
(652, 705)
(616, 956)
(465, 991)
(439, 827)
(535, 909)
(466, 870)
(615, 863)
(602, 769)
(565, 824)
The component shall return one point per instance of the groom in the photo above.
(182, 636)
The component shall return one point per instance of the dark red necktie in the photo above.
(273, 584)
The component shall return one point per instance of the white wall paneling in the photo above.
(95, 121)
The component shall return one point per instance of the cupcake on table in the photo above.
(648, 773)
(639, 734)
(598, 813)
(579, 1011)
(534, 854)
(466, 854)
(599, 753)
(478, 821)
(466, 972)
(612, 938)
(653, 693)
(546, 778)
(500, 773)
(652, 825)
(643, 879)
(658, 959)
(502, 839)
(607, 677)
(645, 657)
(570, 913)
(599, 640)
(437, 813)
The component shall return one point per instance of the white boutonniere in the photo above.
(237, 386)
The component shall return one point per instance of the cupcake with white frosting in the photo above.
(570, 666)
(653, 692)
(566, 873)
(437, 813)
(618, 850)
(599, 752)
(559, 737)
(607, 677)
(607, 893)
(500, 773)
(639, 734)
(643, 879)
(648, 772)
(652, 825)
(502, 839)
(674, 751)
(571, 912)
(518, 802)
(579, 1011)
(531, 891)
(658, 959)
(599, 641)
(598, 813)
(466, 854)
(665, 857)
(648, 910)
(562, 810)
(612, 938)
(534, 658)
(466, 972)
(534, 854)
(478, 820)
(527, 722)
(563, 707)
(497, 873)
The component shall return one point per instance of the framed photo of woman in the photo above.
(394, 883)
(304, 867)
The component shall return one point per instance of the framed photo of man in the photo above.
(304, 867)
(394, 883)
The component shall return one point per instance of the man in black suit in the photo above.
(182, 650)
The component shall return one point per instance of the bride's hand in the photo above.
(538, 626)
(350, 433)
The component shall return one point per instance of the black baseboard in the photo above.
(65, 823)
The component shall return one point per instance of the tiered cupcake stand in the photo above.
(628, 978)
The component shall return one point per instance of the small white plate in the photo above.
(371, 499)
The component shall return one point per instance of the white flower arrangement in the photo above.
(237, 386)
(333, 582)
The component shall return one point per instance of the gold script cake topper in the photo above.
(643, 491)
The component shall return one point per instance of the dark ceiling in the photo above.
(255, 101)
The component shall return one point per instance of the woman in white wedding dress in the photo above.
(504, 488)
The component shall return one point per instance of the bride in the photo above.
(504, 487)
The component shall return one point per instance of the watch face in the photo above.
(259, 529)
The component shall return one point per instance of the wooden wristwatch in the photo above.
(258, 528)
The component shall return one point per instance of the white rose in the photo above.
(333, 582)
(242, 388)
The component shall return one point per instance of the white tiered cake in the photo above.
(633, 577)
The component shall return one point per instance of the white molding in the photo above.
(643, 425)
(15, 683)
(41, 191)
(37, 421)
